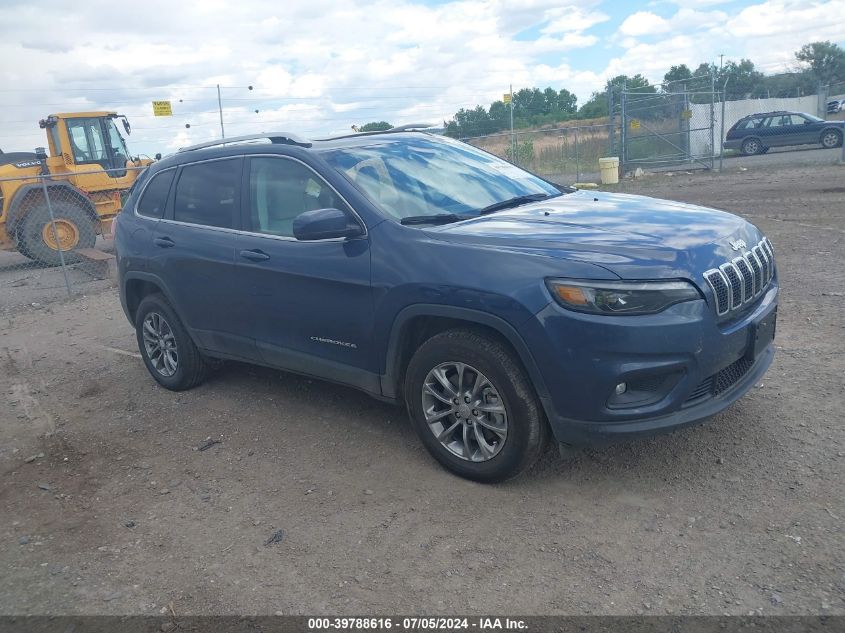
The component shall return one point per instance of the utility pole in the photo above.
(220, 108)
(513, 137)
(721, 59)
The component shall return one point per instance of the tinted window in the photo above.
(207, 193)
(281, 189)
(154, 198)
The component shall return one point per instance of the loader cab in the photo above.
(89, 139)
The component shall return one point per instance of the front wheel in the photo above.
(473, 406)
(831, 139)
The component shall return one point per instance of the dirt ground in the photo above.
(107, 506)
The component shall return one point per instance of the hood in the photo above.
(632, 236)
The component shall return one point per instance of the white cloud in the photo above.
(644, 23)
(318, 66)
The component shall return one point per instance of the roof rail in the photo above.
(411, 126)
(285, 138)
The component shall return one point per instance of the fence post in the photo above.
(55, 233)
(577, 166)
(722, 133)
(623, 132)
(821, 100)
(611, 118)
(712, 116)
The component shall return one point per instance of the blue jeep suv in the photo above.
(498, 307)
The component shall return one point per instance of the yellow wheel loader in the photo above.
(87, 169)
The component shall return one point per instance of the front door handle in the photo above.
(255, 255)
(164, 242)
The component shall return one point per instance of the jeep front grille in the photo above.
(743, 279)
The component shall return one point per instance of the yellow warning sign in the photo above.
(635, 124)
(162, 108)
(506, 97)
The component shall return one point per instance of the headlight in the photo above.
(622, 297)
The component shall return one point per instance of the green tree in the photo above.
(499, 115)
(375, 126)
(825, 59)
(743, 79)
(675, 76)
(567, 103)
(595, 107)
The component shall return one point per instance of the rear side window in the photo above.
(750, 124)
(154, 198)
(208, 193)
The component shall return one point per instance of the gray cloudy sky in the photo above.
(319, 66)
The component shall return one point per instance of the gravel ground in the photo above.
(107, 505)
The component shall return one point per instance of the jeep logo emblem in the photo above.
(738, 245)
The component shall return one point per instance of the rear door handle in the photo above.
(164, 242)
(255, 255)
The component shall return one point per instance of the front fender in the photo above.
(390, 379)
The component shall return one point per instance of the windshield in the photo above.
(424, 175)
(117, 142)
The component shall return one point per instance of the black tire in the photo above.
(751, 146)
(527, 429)
(191, 369)
(30, 235)
(830, 139)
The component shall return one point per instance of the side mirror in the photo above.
(158, 156)
(325, 224)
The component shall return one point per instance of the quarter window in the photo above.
(154, 199)
(207, 193)
(280, 190)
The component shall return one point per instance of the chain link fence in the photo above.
(56, 234)
(564, 154)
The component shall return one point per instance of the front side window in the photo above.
(86, 140)
(208, 193)
(424, 175)
(118, 145)
(154, 199)
(281, 189)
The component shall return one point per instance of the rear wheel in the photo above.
(166, 347)
(473, 406)
(831, 139)
(752, 146)
(41, 239)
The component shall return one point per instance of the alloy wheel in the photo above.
(464, 411)
(831, 139)
(160, 344)
(752, 147)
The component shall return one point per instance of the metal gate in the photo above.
(669, 125)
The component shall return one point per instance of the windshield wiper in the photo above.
(438, 218)
(513, 202)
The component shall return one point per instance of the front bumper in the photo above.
(733, 144)
(700, 367)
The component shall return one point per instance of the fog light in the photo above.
(621, 388)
